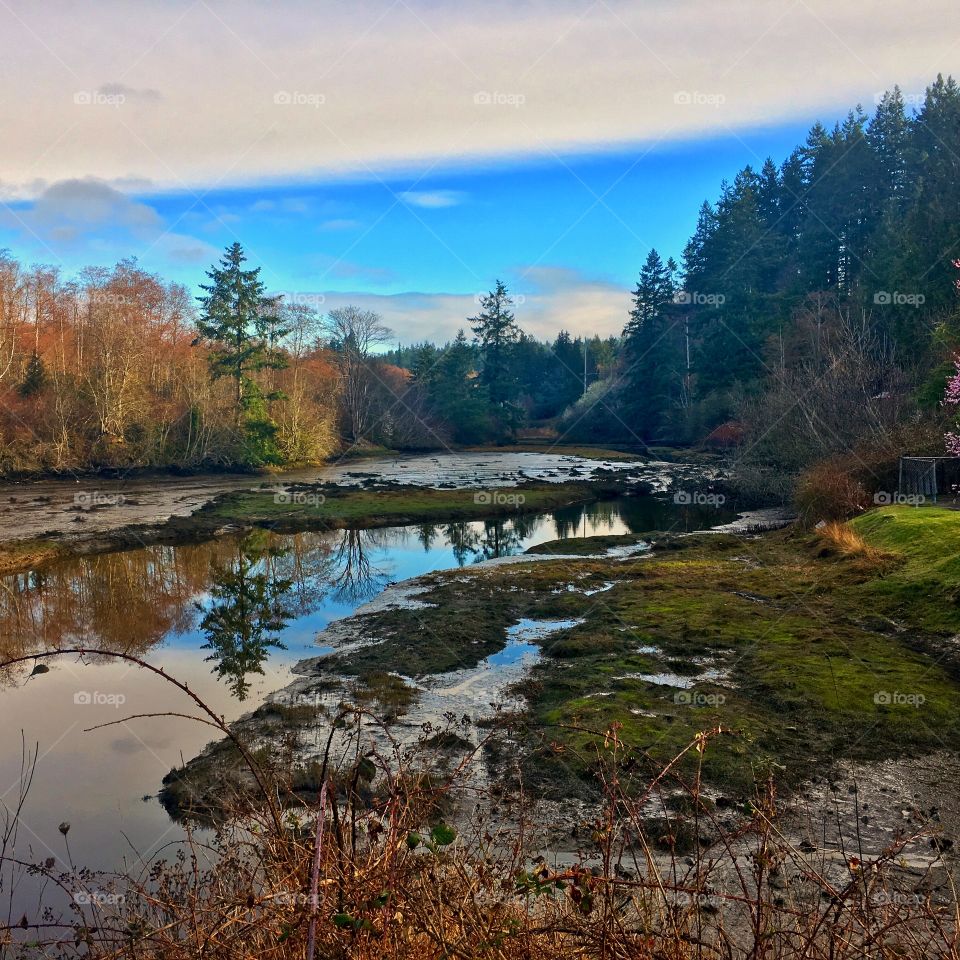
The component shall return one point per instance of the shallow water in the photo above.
(149, 602)
(88, 505)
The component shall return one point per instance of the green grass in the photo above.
(393, 505)
(811, 669)
(807, 664)
(925, 587)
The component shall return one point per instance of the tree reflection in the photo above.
(246, 614)
(354, 577)
(473, 542)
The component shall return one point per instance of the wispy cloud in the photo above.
(89, 215)
(433, 199)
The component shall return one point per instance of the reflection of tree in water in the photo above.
(585, 520)
(353, 577)
(473, 542)
(247, 613)
(427, 533)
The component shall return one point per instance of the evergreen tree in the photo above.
(243, 326)
(34, 377)
(246, 614)
(496, 332)
(650, 344)
(456, 394)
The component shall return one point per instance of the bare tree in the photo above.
(353, 333)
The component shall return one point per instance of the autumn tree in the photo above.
(353, 333)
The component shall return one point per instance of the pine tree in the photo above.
(496, 332)
(243, 326)
(456, 394)
(650, 348)
(246, 614)
(34, 377)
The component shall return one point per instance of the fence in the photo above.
(929, 477)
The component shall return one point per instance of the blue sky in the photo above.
(587, 218)
(455, 230)
(402, 154)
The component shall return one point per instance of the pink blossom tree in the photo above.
(951, 396)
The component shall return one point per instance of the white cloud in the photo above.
(380, 85)
(145, 95)
(432, 199)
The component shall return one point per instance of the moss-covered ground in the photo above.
(803, 653)
(27, 554)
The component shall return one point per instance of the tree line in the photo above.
(117, 368)
(814, 310)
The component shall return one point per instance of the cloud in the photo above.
(432, 199)
(341, 224)
(89, 214)
(548, 299)
(294, 205)
(67, 210)
(339, 268)
(145, 95)
(500, 78)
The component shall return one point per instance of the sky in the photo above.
(403, 154)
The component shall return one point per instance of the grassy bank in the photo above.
(27, 554)
(393, 505)
(698, 675)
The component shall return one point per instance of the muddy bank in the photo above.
(49, 507)
(47, 518)
(757, 635)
